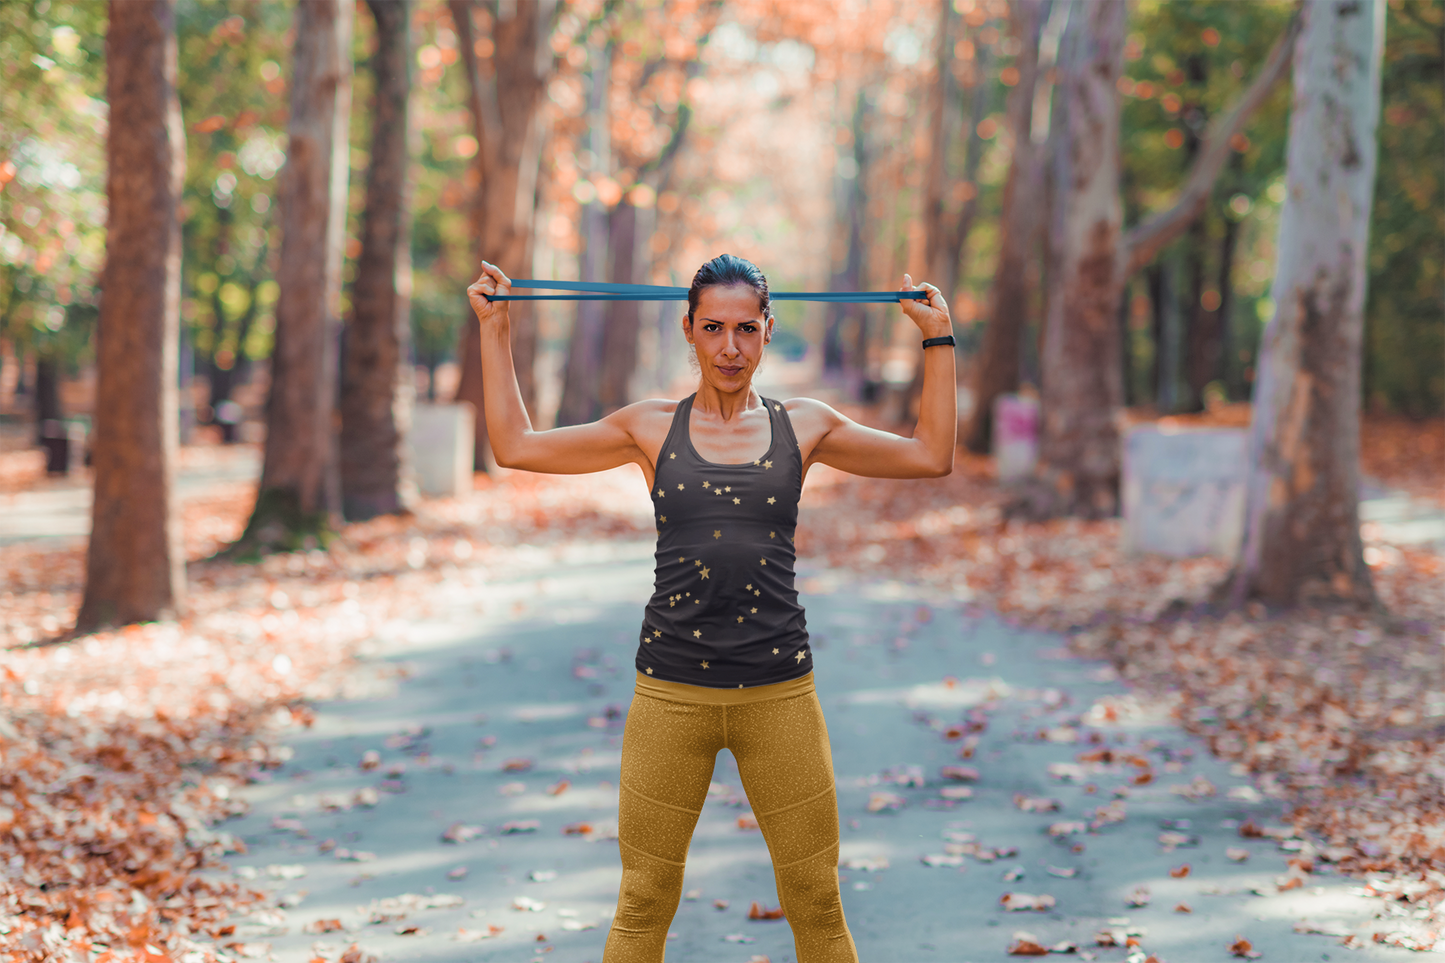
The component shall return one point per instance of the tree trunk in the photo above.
(945, 112)
(47, 394)
(623, 326)
(845, 333)
(505, 96)
(300, 491)
(1082, 384)
(376, 386)
(997, 366)
(135, 561)
(581, 377)
(1302, 534)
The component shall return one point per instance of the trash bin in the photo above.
(55, 439)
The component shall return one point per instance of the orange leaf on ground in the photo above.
(759, 912)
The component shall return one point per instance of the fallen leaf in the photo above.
(324, 926)
(559, 787)
(517, 765)
(758, 912)
(1140, 896)
(1022, 902)
(720, 904)
(747, 822)
(1237, 853)
(959, 773)
(526, 904)
(941, 859)
(460, 833)
(1036, 804)
(1026, 944)
(885, 802)
(1179, 872)
(1183, 908)
(520, 826)
(1241, 947)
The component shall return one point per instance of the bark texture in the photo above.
(1082, 383)
(1000, 354)
(623, 327)
(1302, 534)
(135, 561)
(505, 91)
(951, 198)
(845, 326)
(300, 492)
(581, 377)
(376, 388)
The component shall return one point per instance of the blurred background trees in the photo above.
(836, 142)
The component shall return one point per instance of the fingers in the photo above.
(490, 282)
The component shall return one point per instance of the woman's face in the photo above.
(728, 332)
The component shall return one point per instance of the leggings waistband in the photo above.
(704, 696)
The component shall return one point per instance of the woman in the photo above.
(723, 660)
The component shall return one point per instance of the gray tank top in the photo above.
(724, 612)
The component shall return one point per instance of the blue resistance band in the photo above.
(600, 291)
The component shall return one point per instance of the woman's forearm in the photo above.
(938, 408)
(507, 421)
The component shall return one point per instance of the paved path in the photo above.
(539, 667)
(59, 508)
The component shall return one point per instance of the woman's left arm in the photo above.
(848, 446)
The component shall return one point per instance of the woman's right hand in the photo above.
(491, 282)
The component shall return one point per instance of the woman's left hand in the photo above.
(931, 316)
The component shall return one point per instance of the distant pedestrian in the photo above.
(723, 660)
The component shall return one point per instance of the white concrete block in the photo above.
(1183, 491)
(443, 439)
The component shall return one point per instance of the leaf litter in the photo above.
(1306, 701)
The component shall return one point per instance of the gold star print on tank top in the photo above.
(724, 612)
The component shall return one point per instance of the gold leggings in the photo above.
(674, 733)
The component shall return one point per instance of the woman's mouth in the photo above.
(729, 371)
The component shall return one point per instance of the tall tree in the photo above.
(997, 366)
(376, 391)
(845, 326)
(1302, 535)
(134, 564)
(1082, 369)
(951, 193)
(300, 493)
(505, 89)
(581, 374)
(1082, 386)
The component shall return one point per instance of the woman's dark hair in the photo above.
(726, 270)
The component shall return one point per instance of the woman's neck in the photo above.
(727, 405)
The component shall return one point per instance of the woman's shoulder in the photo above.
(647, 410)
(810, 409)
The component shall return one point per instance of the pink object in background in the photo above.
(1015, 436)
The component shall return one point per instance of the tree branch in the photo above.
(1146, 239)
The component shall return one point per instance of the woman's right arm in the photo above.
(598, 446)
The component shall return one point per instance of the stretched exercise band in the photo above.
(601, 291)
